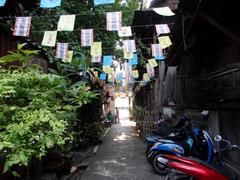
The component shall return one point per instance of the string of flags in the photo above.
(113, 23)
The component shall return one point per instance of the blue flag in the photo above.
(134, 60)
(161, 57)
(120, 76)
(2, 2)
(103, 76)
(50, 3)
(98, 2)
(107, 60)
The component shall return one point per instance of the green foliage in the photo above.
(20, 54)
(36, 113)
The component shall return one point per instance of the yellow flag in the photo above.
(146, 77)
(125, 31)
(110, 78)
(112, 70)
(164, 41)
(96, 49)
(66, 23)
(164, 11)
(127, 55)
(49, 38)
(68, 56)
(95, 73)
(107, 69)
(152, 63)
(135, 74)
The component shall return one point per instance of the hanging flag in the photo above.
(114, 21)
(164, 11)
(162, 29)
(156, 50)
(135, 74)
(150, 70)
(164, 41)
(127, 55)
(107, 69)
(62, 50)
(2, 2)
(49, 38)
(152, 63)
(95, 74)
(119, 76)
(125, 31)
(66, 23)
(134, 60)
(107, 60)
(103, 76)
(110, 78)
(96, 59)
(129, 45)
(161, 57)
(86, 37)
(96, 49)
(50, 3)
(69, 56)
(146, 77)
(112, 70)
(99, 2)
(22, 26)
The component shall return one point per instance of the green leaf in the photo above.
(14, 173)
(20, 46)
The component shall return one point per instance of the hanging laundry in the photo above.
(22, 26)
(107, 60)
(2, 2)
(96, 49)
(66, 22)
(156, 50)
(164, 41)
(86, 37)
(99, 2)
(129, 45)
(50, 3)
(96, 59)
(114, 21)
(49, 38)
(164, 11)
(125, 31)
(62, 50)
(162, 29)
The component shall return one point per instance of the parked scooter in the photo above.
(193, 168)
(174, 133)
(198, 144)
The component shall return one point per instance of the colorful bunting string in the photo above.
(50, 3)
(114, 21)
(22, 26)
(86, 37)
(62, 50)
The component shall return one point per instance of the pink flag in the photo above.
(162, 29)
(156, 50)
(129, 45)
(62, 50)
(150, 70)
(22, 26)
(114, 21)
(86, 37)
(96, 59)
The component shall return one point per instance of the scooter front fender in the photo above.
(168, 148)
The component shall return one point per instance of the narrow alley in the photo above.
(121, 156)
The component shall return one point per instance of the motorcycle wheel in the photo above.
(158, 167)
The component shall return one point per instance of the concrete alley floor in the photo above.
(121, 156)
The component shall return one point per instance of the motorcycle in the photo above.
(193, 168)
(197, 144)
(168, 136)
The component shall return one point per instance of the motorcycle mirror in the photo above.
(218, 138)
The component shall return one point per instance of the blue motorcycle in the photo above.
(198, 144)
